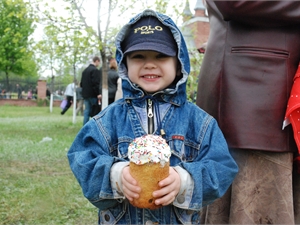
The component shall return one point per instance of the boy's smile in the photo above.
(150, 77)
(152, 71)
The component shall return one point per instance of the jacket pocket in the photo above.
(114, 215)
(260, 51)
(187, 216)
(255, 82)
(182, 149)
(120, 149)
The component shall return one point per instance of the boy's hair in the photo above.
(150, 34)
(96, 58)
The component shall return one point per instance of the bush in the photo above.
(43, 102)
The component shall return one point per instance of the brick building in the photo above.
(195, 27)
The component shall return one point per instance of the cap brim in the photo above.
(148, 46)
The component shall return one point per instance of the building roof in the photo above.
(187, 10)
(199, 5)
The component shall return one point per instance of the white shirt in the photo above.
(70, 89)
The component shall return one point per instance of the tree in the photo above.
(65, 45)
(16, 25)
(102, 36)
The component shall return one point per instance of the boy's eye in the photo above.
(137, 56)
(161, 55)
(156, 55)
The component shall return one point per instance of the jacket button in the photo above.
(180, 199)
(106, 217)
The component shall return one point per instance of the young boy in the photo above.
(154, 66)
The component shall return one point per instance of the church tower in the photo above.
(197, 23)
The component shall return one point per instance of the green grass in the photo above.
(36, 183)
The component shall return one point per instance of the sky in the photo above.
(134, 9)
(90, 12)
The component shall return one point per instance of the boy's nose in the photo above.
(149, 64)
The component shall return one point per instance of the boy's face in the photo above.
(152, 71)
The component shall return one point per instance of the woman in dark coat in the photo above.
(113, 77)
(245, 80)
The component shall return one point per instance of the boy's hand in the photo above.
(130, 187)
(169, 189)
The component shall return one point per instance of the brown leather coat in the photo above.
(245, 80)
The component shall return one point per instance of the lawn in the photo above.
(36, 183)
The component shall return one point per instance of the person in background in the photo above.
(112, 80)
(79, 101)
(48, 93)
(3, 93)
(69, 93)
(91, 83)
(19, 91)
(29, 93)
(154, 67)
(34, 93)
(245, 81)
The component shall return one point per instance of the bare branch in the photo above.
(83, 18)
(99, 20)
(108, 21)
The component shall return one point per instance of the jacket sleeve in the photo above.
(213, 169)
(91, 163)
(261, 13)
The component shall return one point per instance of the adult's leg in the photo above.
(111, 100)
(261, 193)
(296, 190)
(218, 212)
(87, 108)
(79, 107)
(69, 103)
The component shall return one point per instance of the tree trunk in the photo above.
(104, 80)
(7, 81)
(52, 84)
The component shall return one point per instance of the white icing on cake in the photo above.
(149, 148)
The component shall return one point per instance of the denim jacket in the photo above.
(199, 151)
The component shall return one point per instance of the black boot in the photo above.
(63, 112)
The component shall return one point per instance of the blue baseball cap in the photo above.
(149, 34)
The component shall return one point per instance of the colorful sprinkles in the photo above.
(149, 148)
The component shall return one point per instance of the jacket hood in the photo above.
(175, 94)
